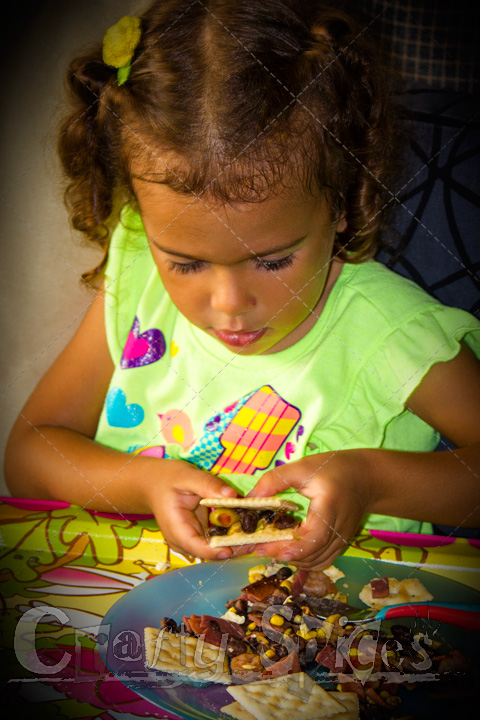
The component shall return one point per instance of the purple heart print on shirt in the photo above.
(142, 349)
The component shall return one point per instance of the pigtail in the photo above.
(87, 153)
(359, 84)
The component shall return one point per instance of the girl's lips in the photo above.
(239, 339)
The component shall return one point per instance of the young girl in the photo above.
(242, 330)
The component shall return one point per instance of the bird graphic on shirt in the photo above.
(177, 428)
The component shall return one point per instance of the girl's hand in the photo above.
(175, 503)
(339, 497)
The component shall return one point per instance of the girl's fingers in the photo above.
(269, 484)
(312, 538)
(299, 475)
(194, 542)
(205, 485)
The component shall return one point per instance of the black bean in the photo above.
(249, 522)
(168, 624)
(296, 609)
(299, 642)
(241, 606)
(280, 650)
(283, 520)
(268, 515)
(235, 647)
(284, 573)
(217, 530)
(302, 658)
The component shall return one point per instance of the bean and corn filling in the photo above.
(228, 521)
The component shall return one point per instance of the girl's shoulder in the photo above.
(389, 299)
(379, 286)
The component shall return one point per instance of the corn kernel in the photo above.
(233, 610)
(393, 700)
(339, 687)
(288, 631)
(255, 577)
(363, 633)
(321, 632)
(306, 610)
(353, 652)
(277, 620)
(286, 584)
(384, 694)
(251, 626)
(333, 618)
(310, 635)
(270, 653)
(257, 569)
(297, 619)
(234, 528)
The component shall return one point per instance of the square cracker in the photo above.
(255, 503)
(243, 538)
(350, 702)
(185, 655)
(236, 711)
(351, 709)
(286, 697)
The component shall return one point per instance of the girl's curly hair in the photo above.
(235, 100)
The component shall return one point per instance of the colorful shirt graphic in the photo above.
(256, 433)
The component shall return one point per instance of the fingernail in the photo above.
(260, 552)
(226, 490)
(286, 556)
(223, 555)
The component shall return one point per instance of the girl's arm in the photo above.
(51, 452)
(441, 487)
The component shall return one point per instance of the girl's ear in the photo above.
(341, 225)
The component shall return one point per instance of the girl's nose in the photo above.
(230, 293)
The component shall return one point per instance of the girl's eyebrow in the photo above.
(273, 251)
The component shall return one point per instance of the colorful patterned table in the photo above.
(63, 567)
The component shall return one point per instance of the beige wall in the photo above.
(41, 259)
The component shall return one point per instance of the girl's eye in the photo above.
(273, 265)
(184, 268)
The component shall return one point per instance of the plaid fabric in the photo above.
(432, 43)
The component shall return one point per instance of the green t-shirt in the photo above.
(176, 392)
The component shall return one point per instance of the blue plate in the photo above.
(206, 587)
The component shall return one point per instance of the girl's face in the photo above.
(254, 276)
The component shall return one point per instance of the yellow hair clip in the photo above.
(119, 45)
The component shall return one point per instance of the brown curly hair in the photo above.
(234, 100)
